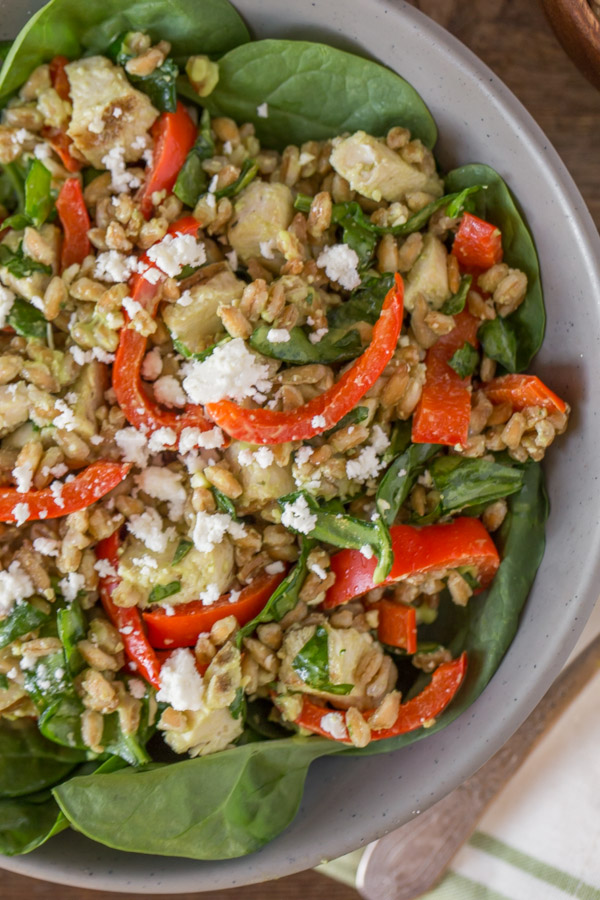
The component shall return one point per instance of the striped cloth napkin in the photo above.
(540, 838)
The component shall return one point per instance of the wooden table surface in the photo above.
(514, 39)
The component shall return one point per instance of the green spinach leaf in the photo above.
(39, 201)
(27, 320)
(247, 174)
(20, 265)
(289, 75)
(161, 591)
(364, 305)
(464, 360)
(183, 548)
(463, 483)
(224, 504)
(25, 617)
(456, 303)
(398, 481)
(337, 345)
(28, 762)
(499, 341)
(354, 417)
(72, 628)
(311, 664)
(28, 822)
(192, 180)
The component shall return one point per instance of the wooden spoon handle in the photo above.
(409, 861)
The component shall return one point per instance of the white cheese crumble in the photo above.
(23, 476)
(147, 527)
(275, 568)
(133, 446)
(297, 515)
(191, 438)
(7, 298)
(152, 365)
(70, 585)
(230, 371)
(318, 421)
(181, 685)
(122, 180)
(316, 336)
(340, 263)
(168, 391)
(267, 248)
(264, 457)
(15, 585)
(176, 251)
(211, 528)
(114, 266)
(132, 307)
(318, 570)
(20, 512)
(368, 464)
(161, 439)
(46, 546)
(105, 569)
(303, 454)
(185, 299)
(136, 688)
(164, 485)
(262, 111)
(56, 489)
(213, 184)
(367, 551)
(66, 417)
(210, 595)
(278, 335)
(334, 724)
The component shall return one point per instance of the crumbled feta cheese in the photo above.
(318, 421)
(305, 158)
(132, 307)
(42, 151)
(147, 527)
(278, 335)
(227, 147)
(340, 263)
(133, 445)
(316, 336)
(162, 439)
(117, 112)
(267, 247)
(176, 251)
(275, 568)
(20, 512)
(70, 585)
(114, 266)
(234, 596)
(185, 299)
(46, 546)
(303, 454)
(165, 485)
(102, 356)
(264, 457)
(136, 688)
(230, 371)
(190, 438)
(297, 516)
(122, 180)
(181, 685)
(15, 585)
(318, 570)
(56, 488)
(7, 298)
(80, 356)
(149, 273)
(367, 551)
(105, 569)
(367, 464)
(211, 528)
(168, 391)
(152, 365)
(262, 111)
(66, 418)
(334, 724)
(213, 184)
(23, 476)
(210, 595)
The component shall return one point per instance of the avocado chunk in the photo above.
(194, 326)
(429, 275)
(262, 210)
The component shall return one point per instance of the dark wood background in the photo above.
(514, 39)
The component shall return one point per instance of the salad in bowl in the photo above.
(269, 451)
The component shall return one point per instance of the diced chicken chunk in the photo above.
(429, 275)
(377, 172)
(261, 211)
(197, 321)
(100, 89)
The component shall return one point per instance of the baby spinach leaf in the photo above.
(314, 92)
(28, 822)
(357, 231)
(72, 628)
(183, 548)
(465, 482)
(462, 201)
(464, 360)
(499, 341)
(335, 346)
(160, 591)
(28, 762)
(247, 174)
(398, 481)
(39, 202)
(70, 28)
(354, 417)
(497, 205)
(237, 707)
(456, 303)
(213, 807)
(4, 48)
(160, 85)
(25, 617)
(20, 265)
(364, 304)
(13, 186)
(311, 664)
(192, 180)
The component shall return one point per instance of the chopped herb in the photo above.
(183, 548)
(160, 591)
(465, 360)
(456, 303)
(247, 174)
(312, 664)
(27, 320)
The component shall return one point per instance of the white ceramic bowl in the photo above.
(349, 802)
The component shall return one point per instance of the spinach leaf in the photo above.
(364, 304)
(311, 664)
(354, 417)
(464, 360)
(39, 201)
(20, 265)
(72, 628)
(183, 548)
(4, 48)
(25, 617)
(212, 807)
(496, 205)
(284, 598)
(160, 85)
(27, 320)
(28, 762)
(456, 303)
(465, 482)
(28, 822)
(71, 28)
(499, 341)
(358, 232)
(160, 591)
(192, 180)
(398, 481)
(289, 75)
(224, 504)
(335, 346)
(247, 174)
(347, 532)
(237, 707)
(13, 187)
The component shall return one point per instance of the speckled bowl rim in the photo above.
(349, 802)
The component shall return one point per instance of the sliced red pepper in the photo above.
(59, 78)
(462, 542)
(444, 408)
(433, 700)
(189, 620)
(139, 409)
(268, 426)
(127, 620)
(90, 485)
(397, 625)
(75, 222)
(174, 135)
(477, 243)
(522, 391)
(61, 144)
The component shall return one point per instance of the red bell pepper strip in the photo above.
(444, 408)
(75, 222)
(59, 78)
(522, 391)
(433, 700)
(189, 620)
(477, 243)
(268, 426)
(139, 409)
(397, 625)
(90, 485)
(462, 542)
(127, 620)
(61, 144)
(174, 136)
